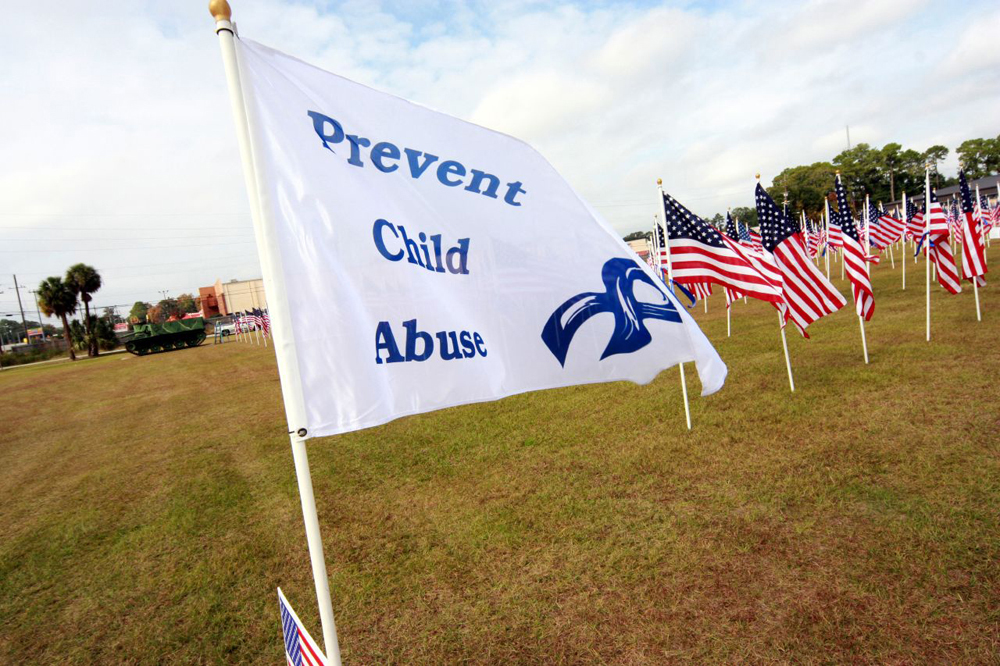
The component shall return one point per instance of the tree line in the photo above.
(883, 173)
(166, 309)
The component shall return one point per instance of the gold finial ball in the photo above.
(220, 10)
(837, 172)
(758, 176)
(659, 181)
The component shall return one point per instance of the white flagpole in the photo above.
(826, 248)
(284, 347)
(788, 360)
(729, 326)
(977, 221)
(927, 240)
(981, 221)
(903, 258)
(891, 258)
(670, 278)
(868, 230)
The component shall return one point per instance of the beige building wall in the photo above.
(241, 295)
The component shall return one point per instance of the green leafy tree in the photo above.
(137, 315)
(745, 214)
(186, 303)
(170, 309)
(85, 280)
(58, 299)
(154, 315)
(637, 235)
(980, 157)
(807, 187)
(104, 330)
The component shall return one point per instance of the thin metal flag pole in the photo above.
(905, 224)
(981, 223)
(861, 320)
(826, 244)
(891, 257)
(670, 280)
(927, 242)
(284, 341)
(975, 279)
(784, 344)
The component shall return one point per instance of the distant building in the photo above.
(224, 298)
(641, 247)
(987, 188)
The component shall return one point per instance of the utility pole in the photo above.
(38, 311)
(21, 308)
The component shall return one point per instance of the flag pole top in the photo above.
(758, 176)
(659, 181)
(220, 10)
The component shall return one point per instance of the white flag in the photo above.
(429, 262)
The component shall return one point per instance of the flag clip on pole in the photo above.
(284, 341)
(788, 360)
(670, 281)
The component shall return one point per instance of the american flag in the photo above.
(266, 319)
(700, 290)
(662, 245)
(973, 254)
(733, 234)
(300, 648)
(808, 294)
(814, 238)
(887, 231)
(952, 215)
(700, 254)
(836, 235)
(939, 248)
(914, 220)
(755, 241)
(984, 215)
(855, 258)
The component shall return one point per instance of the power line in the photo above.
(120, 249)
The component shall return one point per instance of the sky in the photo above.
(117, 147)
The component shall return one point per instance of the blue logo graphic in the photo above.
(619, 277)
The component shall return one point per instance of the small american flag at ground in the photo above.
(808, 294)
(300, 648)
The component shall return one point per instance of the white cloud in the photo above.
(117, 125)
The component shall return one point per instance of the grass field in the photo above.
(149, 508)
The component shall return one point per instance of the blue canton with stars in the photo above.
(775, 228)
(682, 223)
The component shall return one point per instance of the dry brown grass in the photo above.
(150, 509)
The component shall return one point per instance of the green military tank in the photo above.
(152, 338)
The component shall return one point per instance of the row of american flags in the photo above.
(256, 319)
(779, 262)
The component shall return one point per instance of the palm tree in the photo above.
(84, 280)
(56, 298)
